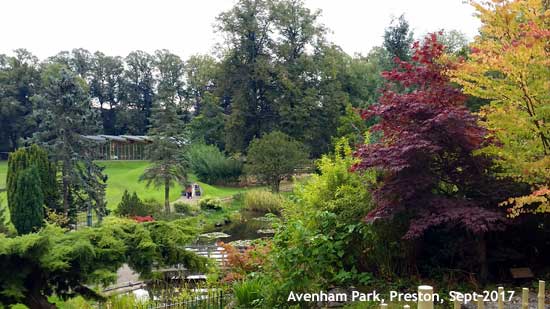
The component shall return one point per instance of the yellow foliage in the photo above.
(510, 65)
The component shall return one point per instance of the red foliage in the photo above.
(427, 140)
(141, 219)
(242, 262)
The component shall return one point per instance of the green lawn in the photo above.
(3, 173)
(124, 175)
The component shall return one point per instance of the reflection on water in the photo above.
(244, 228)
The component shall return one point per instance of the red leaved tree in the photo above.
(427, 140)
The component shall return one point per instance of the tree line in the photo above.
(276, 70)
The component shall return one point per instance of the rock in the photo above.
(264, 219)
(241, 243)
(266, 231)
(214, 235)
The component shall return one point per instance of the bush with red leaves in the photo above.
(242, 262)
(142, 219)
(426, 150)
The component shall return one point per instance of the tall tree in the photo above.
(307, 91)
(79, 60)
(201, 75)
(64, 115)
(202, 79)
(139, 92)
(427, 152)
(246, 72)
(170, 79)
(167, 128)
(509, 66)
(19, 80)
(107, 87)
(398, 39)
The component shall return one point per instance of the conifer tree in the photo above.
(167, 131)
(27, 202)
(64, 114)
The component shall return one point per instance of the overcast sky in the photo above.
(117, 27)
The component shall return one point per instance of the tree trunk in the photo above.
(34, 298)
(275, 185)
(483, 265)
(65, 188)
(167, 196)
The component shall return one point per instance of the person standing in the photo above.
(189, 191)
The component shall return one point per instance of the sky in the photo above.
(185, 27)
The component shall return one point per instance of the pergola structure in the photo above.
(119, 147)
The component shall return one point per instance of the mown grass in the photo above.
(124, 175)
(3, 174)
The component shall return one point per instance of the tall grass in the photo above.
(262, 200)
(248, 293)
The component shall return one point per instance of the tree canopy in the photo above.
(52, 261)
(509, 66)
(274, 157)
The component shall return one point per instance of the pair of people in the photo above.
(189, 191)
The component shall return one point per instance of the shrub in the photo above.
(262, 200)
(184, 208)
(152, 206)
(132, 205)
(242, 263)
(210, 204)
(211, 165)
(27, 204)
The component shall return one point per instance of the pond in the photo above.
(245, 227)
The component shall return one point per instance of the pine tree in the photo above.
(27, 202)
(64, 113)
(167, 132)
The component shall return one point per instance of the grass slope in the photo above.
(124, 175)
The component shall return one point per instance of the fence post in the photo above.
(425, 302)
(383, 306)
(456, 304)
(500, 303)
(540, 295)
(524, 298)
(480, 303)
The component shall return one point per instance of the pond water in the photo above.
(244, 228)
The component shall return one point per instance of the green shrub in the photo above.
(132, 205)
(184, 208)
(211, 165)
(153, 206)
(210, 204)
(262, 200)
(248, 293)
